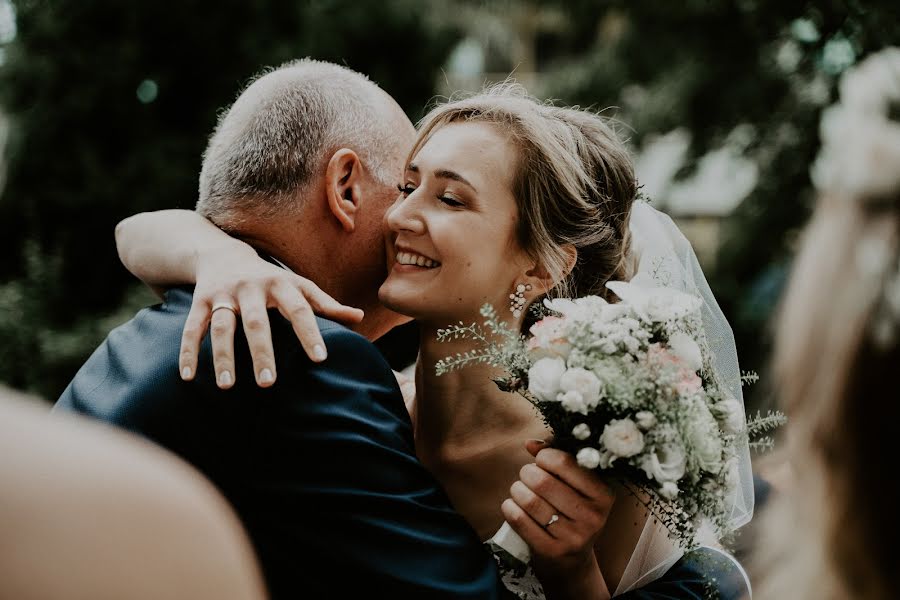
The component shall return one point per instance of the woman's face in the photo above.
(451, 232)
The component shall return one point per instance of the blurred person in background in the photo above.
(89, 512)
(832, 530)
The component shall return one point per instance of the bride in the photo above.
(506, 201)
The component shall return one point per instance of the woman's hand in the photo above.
(233, 275)
(559, 509)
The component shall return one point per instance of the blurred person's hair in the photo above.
(282, 129)
(574, 183)
(833, 533)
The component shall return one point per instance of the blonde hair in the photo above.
(574, 183)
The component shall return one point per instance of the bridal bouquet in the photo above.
(628, 388)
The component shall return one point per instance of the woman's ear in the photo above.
(542, 281)
(343, 185)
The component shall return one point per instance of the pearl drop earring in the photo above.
(517, 299)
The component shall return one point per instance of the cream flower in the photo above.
(573, 402)
(544, 376)
(584, 382)
(667, 462)
(686, 349)
(645, 419)
(669, 490)
(731, 415)
(581, 431)
(622, 438)
(703, 436)
(589, 458)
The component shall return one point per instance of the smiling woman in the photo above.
(453, 226)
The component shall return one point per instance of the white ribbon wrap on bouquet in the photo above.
(509, 540)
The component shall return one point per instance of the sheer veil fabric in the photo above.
(663, 254)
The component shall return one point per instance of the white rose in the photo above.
(645, 419)
(666, 463)
(703, 436)
(622, 438)
(589, 458)
(543, 378)
(581, 431)
(584, 382)
(573, 402)
(669, 490)
(731, 415)
(685, 348)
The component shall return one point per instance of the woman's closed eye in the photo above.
(450, 201)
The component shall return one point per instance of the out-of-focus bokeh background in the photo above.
(105, 107)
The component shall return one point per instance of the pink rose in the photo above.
(549, 338)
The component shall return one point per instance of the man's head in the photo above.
(303, 165)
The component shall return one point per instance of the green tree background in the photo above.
(110, 105)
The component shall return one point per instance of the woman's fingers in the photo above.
(522, 523)
(564, 466)
(255, 320)
(540, 511)
(326, 306)
(191, 338)
(552, 490)
(223, 324)
(292, 304)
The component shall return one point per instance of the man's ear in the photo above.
(542, 281)
(343, 187)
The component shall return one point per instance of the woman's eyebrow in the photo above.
(444, 174)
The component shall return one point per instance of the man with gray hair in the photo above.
(321, 468)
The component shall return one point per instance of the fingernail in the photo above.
(265, 376)
(186, 373)
(540, 442)
(225, 379)
(319, 353)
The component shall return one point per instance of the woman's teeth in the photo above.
(408, 258)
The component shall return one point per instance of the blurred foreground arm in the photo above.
(89, 512)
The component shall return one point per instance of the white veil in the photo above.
(663, 253)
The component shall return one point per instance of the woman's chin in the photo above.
(404, 302)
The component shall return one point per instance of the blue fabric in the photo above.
(320, 467)
(701, 574)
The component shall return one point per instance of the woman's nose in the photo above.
(406, 215)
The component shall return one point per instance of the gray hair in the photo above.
(281, 129)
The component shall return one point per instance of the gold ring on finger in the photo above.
(225, 305)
